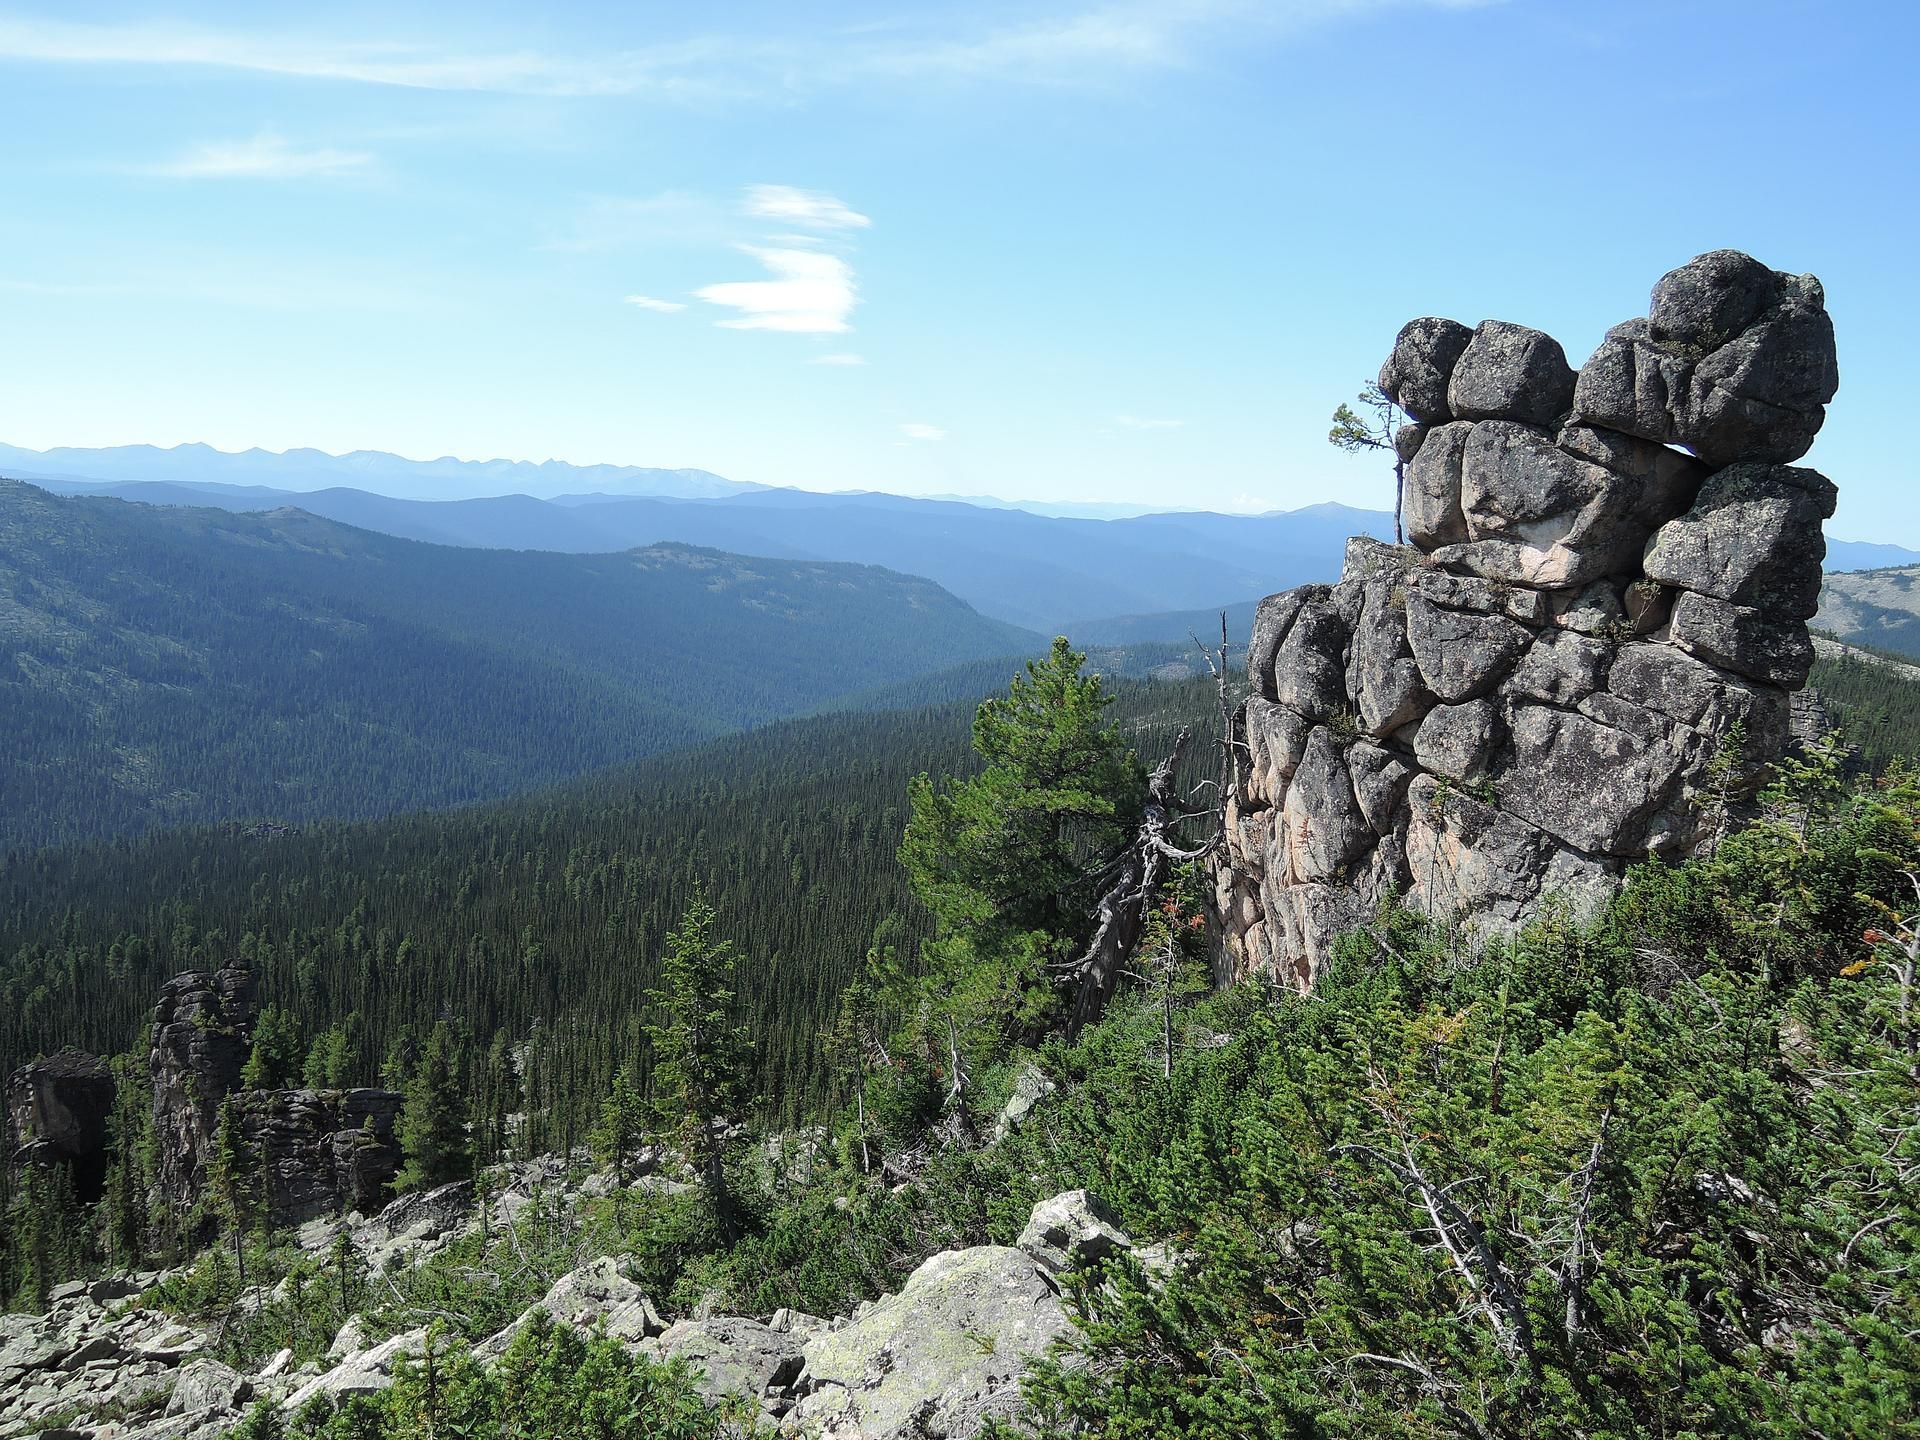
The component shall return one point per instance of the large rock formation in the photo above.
(318, 1152)
(1587, 645)
(57, 1112)
(202, 1034)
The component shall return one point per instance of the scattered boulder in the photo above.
(1508, 372)
(1420, 369)
(942, 1357)
(735, 1356)
(1072, 1228)
(365, 1372)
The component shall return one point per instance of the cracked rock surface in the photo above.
(1603, 598)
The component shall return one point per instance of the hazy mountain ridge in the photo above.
(167, 665)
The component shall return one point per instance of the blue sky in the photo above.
(1125, 251)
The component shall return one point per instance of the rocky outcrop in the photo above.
(320, 1152)
(202, 1033)
(57, 1113)
(1587, 644)
(316, 1152)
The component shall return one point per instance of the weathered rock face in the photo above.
(321, 1152)
(1543, 684)
(202, 1032)
(57, 1111)
(318, 1152)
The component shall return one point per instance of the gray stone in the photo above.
(1561, 668)
(1417, 374)
(1407, 441)
(1308, 667)
(1743, 640)
(208, 1385)
(1456, 740)
(1276, 740)
(365, 1373)
(320, 1152)
(1074, 1228)
(1380, 780)
(200, 1043)
(1736, 362)
(1588, 784)
(1595, 609)
(57, 1111)
(1508, 372)
(733, 1356)
(597, 1296)
(1272, 619)
(1030, 1087)
(1324, 829)
(1430, 505)
(943, 1357)
(1752, 538)
(1384, 682)
(1461, 655)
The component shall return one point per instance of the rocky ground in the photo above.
(940, 1356)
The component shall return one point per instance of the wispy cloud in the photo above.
(660, 307)
(265, 157)
(808, 208)
(1138, 422)
(1065, 45)
(915, 430)
(811, 293)
(841, 357)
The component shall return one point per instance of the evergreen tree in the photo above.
(329, 1063)
(275, 1061)
(700, 1052)
(622, 1131)
(232, 1193)
(1007, 860)
(129, 1131)
(433, 1123)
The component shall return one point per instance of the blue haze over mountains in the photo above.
(1118, 579)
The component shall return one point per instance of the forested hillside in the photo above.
(167, 666)
(1879, 608)
(1044, 572)
(526, 916)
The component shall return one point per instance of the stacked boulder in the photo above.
(1585, 650)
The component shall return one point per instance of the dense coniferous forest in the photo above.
(173, 666)
(523, 917)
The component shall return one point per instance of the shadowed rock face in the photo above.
(202, 1034)
(57, 1111)
(1506, 711)
(317, 1152)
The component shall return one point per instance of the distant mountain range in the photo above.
(1049, 573)
(164, 666)
(1100, 573)
(376, 470)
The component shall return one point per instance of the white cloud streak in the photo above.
(812, 293)
(264, 157)
(916, 430)
(659, 307)
(1115, 38)
(807, 208)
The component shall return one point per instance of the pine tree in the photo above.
(622, 1130)
(700, 1053)
(275, 1061)
(433, 1123)
(329, 1063)
(232, 1194)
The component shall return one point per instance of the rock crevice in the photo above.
(1587, 645)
